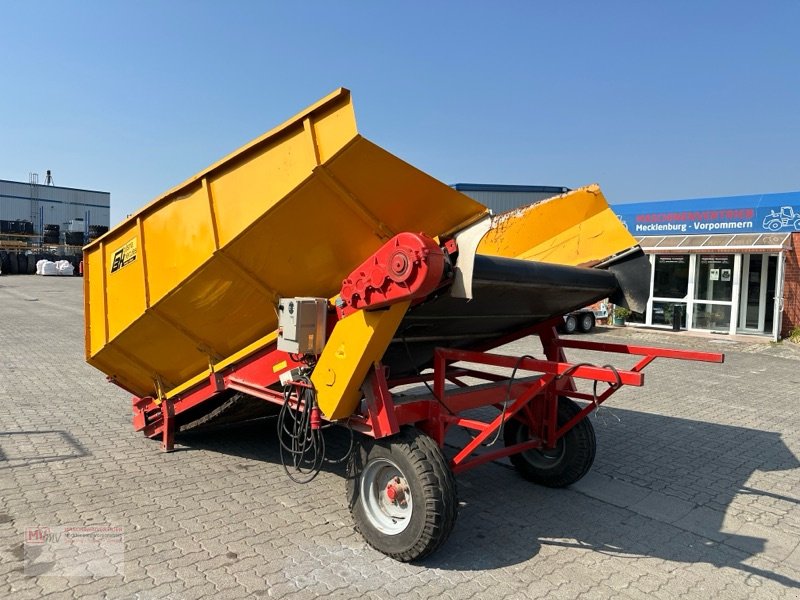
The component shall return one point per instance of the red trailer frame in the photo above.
(533, 400)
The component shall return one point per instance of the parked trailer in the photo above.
(315, 272)
(578, 320)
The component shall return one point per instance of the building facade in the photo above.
(726, 265)
(502, 198)
(53, 205)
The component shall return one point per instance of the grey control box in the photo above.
(301, 325)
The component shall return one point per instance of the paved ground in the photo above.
(695, 492)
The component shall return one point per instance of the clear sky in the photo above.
(652, 100)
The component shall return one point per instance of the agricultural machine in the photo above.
(313, 274)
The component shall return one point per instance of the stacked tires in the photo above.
(51, 234)
(95, 231)
(5, 262)
(73, 238)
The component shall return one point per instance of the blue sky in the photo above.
(651, 100)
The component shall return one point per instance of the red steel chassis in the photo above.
(533, 399)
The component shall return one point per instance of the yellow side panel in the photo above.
(400, 195)
(124, 284)
(306, 245)
(122, 369)
(220, 311)
(333, 129)
(356, 342)
(95, 302)
(577, 228)
(243, 193)
(178, 238)
(152, 342)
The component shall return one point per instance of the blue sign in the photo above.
(705, 216)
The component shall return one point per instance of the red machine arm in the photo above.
(406, 267)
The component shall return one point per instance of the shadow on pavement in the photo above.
(26, 448)
(505, 520)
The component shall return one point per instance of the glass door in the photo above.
(757, 300)
(670, 289)
(714, 285)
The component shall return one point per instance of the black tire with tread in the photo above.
(432, 487)
(579, 448)
(586, 322)
(570, 324)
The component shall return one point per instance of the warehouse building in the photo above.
(42, 205)
(502, 198)
(725, 265)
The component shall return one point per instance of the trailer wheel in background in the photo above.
(570, 324)
(402, 494)
(563, 465)
(586, 322)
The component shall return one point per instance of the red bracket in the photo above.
(379, 403)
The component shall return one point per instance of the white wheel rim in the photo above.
(386, 496)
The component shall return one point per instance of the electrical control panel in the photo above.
(301, 325)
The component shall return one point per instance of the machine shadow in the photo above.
(505, 520)
(701, 465)
(38, 447)
(258, 440)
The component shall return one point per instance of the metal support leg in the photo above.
(168, 427)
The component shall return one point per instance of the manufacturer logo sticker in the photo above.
(124, 255)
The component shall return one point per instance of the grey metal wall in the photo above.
(58, 204)
(502, 198)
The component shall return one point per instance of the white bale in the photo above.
(63, 267)
(48, 267)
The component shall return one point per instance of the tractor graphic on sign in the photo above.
(787, 217)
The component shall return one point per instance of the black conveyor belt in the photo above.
(508, 295)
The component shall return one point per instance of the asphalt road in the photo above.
(695, 491)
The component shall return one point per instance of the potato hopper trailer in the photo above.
(315, 274)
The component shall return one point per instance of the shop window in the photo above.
(711, 316)
(635, 317)
(671, 276)
(665, 313)
(714, 280)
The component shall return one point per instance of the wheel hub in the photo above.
(386, 496)
(542, 458)
(396, 491)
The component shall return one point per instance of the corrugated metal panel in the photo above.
(57, 214)
(57, 205)
(500, 201)
(56, 193)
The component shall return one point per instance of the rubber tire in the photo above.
(586, 323)
(570, 324)
(432, 487)
(580, 446)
